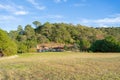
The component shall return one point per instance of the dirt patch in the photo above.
(10, 57)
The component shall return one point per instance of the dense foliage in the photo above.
(109, 44)
(82, 37)
(7, 46)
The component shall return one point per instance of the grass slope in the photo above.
(61, 66)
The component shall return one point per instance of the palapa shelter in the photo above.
(51, 47)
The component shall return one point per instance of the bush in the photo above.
(109, 44)
(22, 48)
(7, 46)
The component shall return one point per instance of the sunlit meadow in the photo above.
(61, 66)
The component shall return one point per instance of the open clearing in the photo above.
(61, 66)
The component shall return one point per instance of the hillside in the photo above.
(82, 37)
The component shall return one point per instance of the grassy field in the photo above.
(61, 66)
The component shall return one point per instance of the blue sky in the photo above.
(94, 13)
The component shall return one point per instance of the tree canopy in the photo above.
(86, 38)
(7, 46)
(109, 44)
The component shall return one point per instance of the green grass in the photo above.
(61, 66)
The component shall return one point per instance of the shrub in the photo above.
(109, 44)
(7, 46)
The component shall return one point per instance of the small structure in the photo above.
(53, 47)
(58, 49)
(50, 47)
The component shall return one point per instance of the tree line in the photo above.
(84, 38)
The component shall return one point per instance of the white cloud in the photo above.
(21, 13)
(7, 18)
(104, 20)
(103, 25)
(54, 16)
(110, 21)
(9, 22)
(7, 7)
(13, 9)
(41, 7)
(36, 5)
(2, 7)
(58, 1)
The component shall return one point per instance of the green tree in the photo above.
(46, 30)
(109, 44)
(13, 35)
(61, 35)
(97, 46)
(42, 39)
(37, 23)
(20, 29)
(29, 32)
(8, 46)
(22, 48)
(31, 37)
(84, 45)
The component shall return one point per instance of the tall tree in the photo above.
(29, 32)
(84, 45)
(37, 23)
(31, 37)
(60, 34)
(20, 30)
(46, 30)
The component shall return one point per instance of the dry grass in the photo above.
(61, 66)
(10, 57)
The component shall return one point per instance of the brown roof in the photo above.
(51, 45)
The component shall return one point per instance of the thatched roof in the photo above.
(51, 45)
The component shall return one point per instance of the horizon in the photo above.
(93, 13)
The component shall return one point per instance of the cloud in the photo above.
(54, 16)
(36, 5)
(9, 22)
(103, 25)
(13, 9)
(7, 18)
(21, 13)
(7, 7)
(110, 21)
(58, 1)
(104, 20)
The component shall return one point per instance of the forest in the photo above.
(84, 38)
